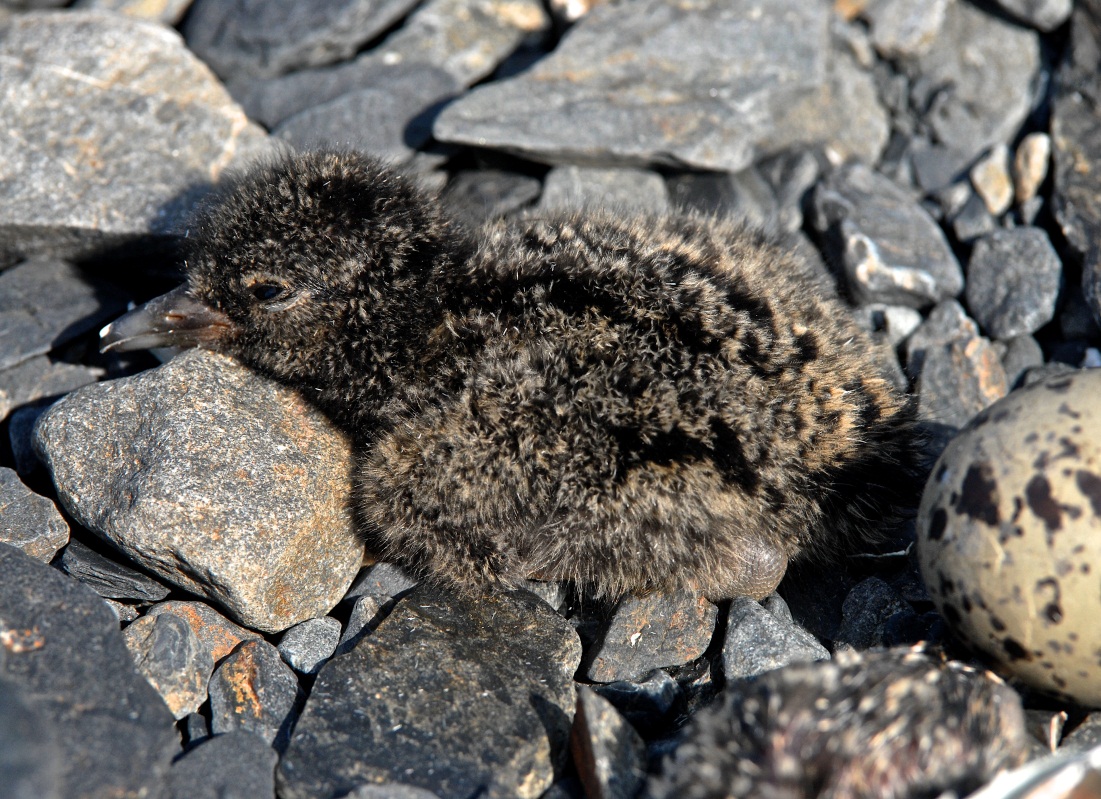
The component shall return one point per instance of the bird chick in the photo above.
(631, 403)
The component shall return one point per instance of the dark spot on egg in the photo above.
(1053, 613)
(1014, 649)
(1065, 410)
(1041, 503)
(1090, 485)
(1059, 386)
(952, 615)
(997, 624)
(965, 601)
(937, 524)
(979, 494)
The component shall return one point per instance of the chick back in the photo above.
(639, 403)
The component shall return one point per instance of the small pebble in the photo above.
(173, 659)
(758, 641)
(253, 690)
(991, 179)
(1030, 165)
(309, 644)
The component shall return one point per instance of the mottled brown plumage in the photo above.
(633, 403)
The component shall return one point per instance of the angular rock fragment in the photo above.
(216, 480)
(991, 179)
(1013, 282)
(108, 578)
(649, 704)
(308, 645)
(39, 377)
(173, 659)
(61, 648)
(609, 755)
(234, 764)
(574, 187)
(218, 635)
(255, 691)
(453, 695)
(903, 27)
(758, 641)
(1045, 15)
(645, 633)
(144, 125)
(28, 521)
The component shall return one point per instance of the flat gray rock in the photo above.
(277, 36)
(216, 480)
(758, 641)
(172, 658)
(46, 302)
(308, 645)
(30, 761)
(143, 127)
(38, 377)
(218, 635)
(234, 765)
(1013, 282)
(905, 27)
(28, 521)
(654, 82)
(107, 577)
(893, 251)
(575, 187)
(1046, 15)
(609, 755)
(455, 696)
(63, 651)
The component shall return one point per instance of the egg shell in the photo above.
(1009, 535)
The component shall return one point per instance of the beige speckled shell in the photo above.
(1009, 535)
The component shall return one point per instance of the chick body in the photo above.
(633, 403)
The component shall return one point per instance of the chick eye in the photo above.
(266, 292)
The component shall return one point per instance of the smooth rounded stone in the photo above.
(654, 82)
(484, 194)
(973, 108)
(958, 379)
(143, 129)
(45, 302)
(255, 691)
(1046, 15)
(893, 252)
(450, 694)
(650, 704)
(277, 36)
(646, 633)
(389, 120)
(218, 635)
(1013, 281)
(866, 611)
(1021, 354)
(973, 220)
(39, 377)
(28, 521)
(758, 641)
(63, 652)
(609, 755)
(905, 27)
(744, 194)
(169, 12)
(382, 581)
(108, 578)
(895, 322)
(1009, 535)
(992, 181)
(577, 187)
(1030, 165)
(850, 727)
(947, 322)
(217, 480)
(308, 645)
(235, 764)
(30, 762)
(172, 658)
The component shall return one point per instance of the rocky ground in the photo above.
(182, 605)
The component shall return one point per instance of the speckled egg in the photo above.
(1009, 535)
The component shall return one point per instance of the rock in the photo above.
(389, 119)
(367, 612)
(893, 252)
(390, 790)
(743, 195)
(170, 12)
(108, 578)
(28, 521)
(849, 727)
(866, 611)
(61, 649)
(39, 377)
(958, 379)
(419, 701)
(254, 691)
(196, 729)
(21, 436)
(947, 322)
(609, 755)
(758, 641)
(894, 322)
(1009, 535)
(645, 633)
(1030, 165)
(650, 705)
(1013, 281)
(968, 108)
(45, 303)
(173, 659)
(903, 27)
(1046, 15)
(236, 764)
(308, 645)
(574, 187)
(991, 179)
(382, 581)
(280, 35)
(30, 761)
(1021, 354)
(654, 82)
(791, 176)
(973, 220)
(450, 37)
(477, 196)
(216, 480)
(144, 126)
(218, 635)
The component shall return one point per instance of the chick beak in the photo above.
(174, 319)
